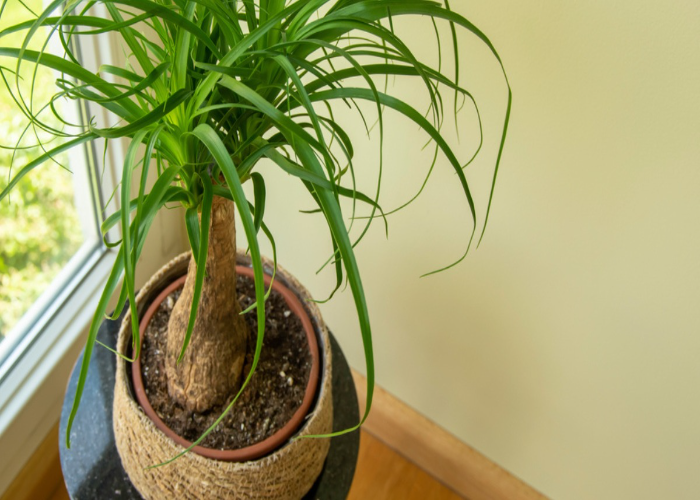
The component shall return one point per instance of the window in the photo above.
(52, 261)
(49, 224)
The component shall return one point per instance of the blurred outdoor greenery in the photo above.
(39, 227)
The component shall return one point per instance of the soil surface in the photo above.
(273, 395)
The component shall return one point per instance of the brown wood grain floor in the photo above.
(61, 494)
(382, 474)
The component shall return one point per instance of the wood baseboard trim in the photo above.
(452, 462)
(41, 477)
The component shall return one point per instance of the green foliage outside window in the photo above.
(38, 222)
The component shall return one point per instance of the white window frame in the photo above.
(32, 389)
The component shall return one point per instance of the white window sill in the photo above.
(31, 393)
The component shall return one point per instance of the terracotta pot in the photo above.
(278, 438)
(284, 473)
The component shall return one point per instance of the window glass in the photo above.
(41, 230)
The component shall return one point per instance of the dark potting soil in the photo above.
(273, 395)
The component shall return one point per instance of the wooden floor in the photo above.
(382, 474)
(60, 494)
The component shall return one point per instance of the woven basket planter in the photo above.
(286, 474)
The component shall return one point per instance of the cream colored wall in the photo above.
(566, 348)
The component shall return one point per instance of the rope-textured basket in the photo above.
(286, 474)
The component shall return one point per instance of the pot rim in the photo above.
(281, 436)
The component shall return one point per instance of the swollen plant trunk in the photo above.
(212, 366)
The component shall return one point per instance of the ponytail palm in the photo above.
(215, 88)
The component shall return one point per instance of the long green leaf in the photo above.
(259, 194)
(44, 157)
(334, 218)
(130, 110)
(424, 124)
(129, 272)
(149, 119)
(193, 231)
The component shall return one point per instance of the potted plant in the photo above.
(217, 87)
